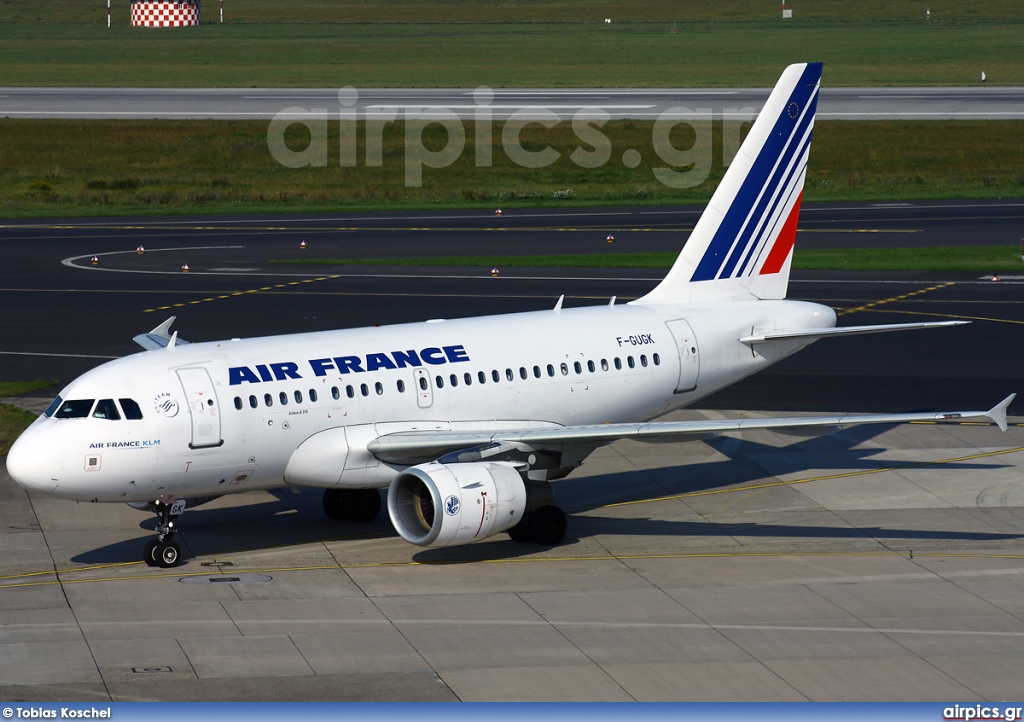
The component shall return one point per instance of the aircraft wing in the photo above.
(159, 337)
(405, 446)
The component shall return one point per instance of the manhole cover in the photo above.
(227, 579)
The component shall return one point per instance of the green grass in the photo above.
(17, 388)
(746, 52)
(63, 168)
(968, 258)
(12, 422)
(527, 11)
(986, 259)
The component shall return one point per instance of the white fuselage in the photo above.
(225, 417)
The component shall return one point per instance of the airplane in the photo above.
(465, 422)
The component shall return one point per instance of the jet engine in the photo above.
(439, 505)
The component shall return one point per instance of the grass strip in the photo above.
(550, 55)
(12, 422)
(967, 258)
(95, 167)
(529, 11)
(17, 388)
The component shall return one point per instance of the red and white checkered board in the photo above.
(165, 14)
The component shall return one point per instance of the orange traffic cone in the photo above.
(497, 212)
(611, 238)
(95, 260)
(140, 250)
(494, 271)
(184, 269)
(302, 245)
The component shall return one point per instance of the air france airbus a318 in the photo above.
(464, 422)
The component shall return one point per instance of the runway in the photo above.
(872, 564)
(964, 103)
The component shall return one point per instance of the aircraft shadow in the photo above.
(295, 516)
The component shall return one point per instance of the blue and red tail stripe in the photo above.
(771, 184)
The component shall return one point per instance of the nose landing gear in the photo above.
(163, 551)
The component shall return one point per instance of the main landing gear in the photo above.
(162, 551)
(545, 526)
(359, 505)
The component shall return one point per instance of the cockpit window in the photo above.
(132, 412)
(75, 409)
(52, 408)
(105, 409)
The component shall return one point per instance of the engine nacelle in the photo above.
(439, 505)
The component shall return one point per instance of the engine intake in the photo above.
(439, 505)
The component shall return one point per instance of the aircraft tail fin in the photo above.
(742, 246)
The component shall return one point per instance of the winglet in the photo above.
(159, 337)
(998, 412)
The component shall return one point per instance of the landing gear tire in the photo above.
(149, 552)
(549, 525)
(545, 526)
(167, 554)
(518, 533)
(359, 505)
(334, 504)
(364, 505)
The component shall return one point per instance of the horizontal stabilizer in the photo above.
(159, 337)
(405, 445)
(845, 331)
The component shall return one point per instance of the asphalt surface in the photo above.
(965, 103)
(72, 315)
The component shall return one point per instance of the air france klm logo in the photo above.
(432, 355)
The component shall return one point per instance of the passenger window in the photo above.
(364, 389)
(284, 398)
(590, 366)
(481, 377)
(131, 410)
(298, 396)
(509, 375)
(468, 378)
(238, 403)
(439, 382)
(455, 380)
(577, 368)
(643, 360)
(312, 396)
(618, 364)
(105, 409)
(551, 370)
(350, 392)
(423, 382)
(657, 359)
(75, 409)
(335, 393)
(401, 386)
(522, 372)
(565, 370)
(379, 388)
(253, 402)
(536, 372)
(268, 400)
(495, 376)
(604, 364)
(630, 362)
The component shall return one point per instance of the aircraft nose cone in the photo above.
(35, 462)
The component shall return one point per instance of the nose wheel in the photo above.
(163, 551)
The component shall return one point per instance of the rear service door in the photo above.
(203, 406)
(689, 357)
